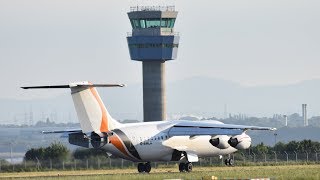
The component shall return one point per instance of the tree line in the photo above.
(58, 152)
(292, 146)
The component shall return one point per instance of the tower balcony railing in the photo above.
(152, 8)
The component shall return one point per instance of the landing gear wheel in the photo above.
(181, 167)
(229, 162)
(147, 167)
(185, 167)
(188, 167)
(226, 162)
(144, 167)
(141, 168)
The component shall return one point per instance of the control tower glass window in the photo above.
(135, 23)
(153, 23)
(142, 23)
(167, 22)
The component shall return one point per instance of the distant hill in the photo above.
(205, 97)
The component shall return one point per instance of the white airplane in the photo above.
(178, 140)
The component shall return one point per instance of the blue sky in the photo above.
(255, 43)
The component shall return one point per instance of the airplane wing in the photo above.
(194, 128)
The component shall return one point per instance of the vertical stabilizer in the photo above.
(92, 113)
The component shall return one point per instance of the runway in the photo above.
(244, 172)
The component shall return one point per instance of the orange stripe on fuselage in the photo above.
(104, 121)
(116, 141)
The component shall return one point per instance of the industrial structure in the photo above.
(286, 120)
(304, 115)
(153, 41)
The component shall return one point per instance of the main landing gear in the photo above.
(144, 167)
(229, 162)
(185, 167)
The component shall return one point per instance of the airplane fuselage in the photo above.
(151, 141)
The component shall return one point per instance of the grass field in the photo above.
(274, 172)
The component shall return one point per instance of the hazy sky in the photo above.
(253, 42)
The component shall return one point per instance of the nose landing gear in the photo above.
(229, 162)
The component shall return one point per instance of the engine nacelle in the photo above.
(220, 142)
(98, 141)
(78, 139)
(242, 141)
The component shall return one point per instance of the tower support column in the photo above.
(154, 98)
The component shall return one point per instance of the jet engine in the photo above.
(220, 142)
(242, 141)
(98, 141)
(81, 139)
(78, 139)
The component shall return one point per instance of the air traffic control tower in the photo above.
(153, 42)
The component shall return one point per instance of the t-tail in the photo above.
(91, 111)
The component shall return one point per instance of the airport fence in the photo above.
(240, 159)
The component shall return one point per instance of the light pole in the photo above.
(11, 152)
(275, 138)
(11, 143)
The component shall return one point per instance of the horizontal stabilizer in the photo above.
(73, 85)
(63, 131)
(47, 87)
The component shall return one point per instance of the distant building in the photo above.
(304, 115)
